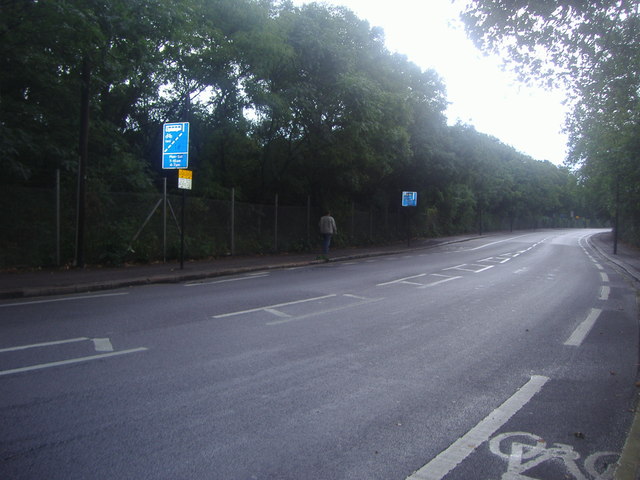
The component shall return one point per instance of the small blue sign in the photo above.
(175, 145)
(409, 199)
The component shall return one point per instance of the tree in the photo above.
(594, 50)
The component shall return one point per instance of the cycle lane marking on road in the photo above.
(459, 450)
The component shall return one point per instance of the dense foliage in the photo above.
(593, 49)
(296, 101)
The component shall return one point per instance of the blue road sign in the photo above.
(175, 145)
(409, 199)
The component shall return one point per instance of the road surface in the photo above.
(506, 357)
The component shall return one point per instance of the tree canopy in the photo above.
(593, 50)
(298, 101)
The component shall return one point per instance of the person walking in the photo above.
(327, 229)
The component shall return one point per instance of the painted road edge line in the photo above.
(70, 361)
(43, 344)
(450, 458)
(581, 332)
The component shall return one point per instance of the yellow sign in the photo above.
(184, 179)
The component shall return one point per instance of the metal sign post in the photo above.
(409, 199)
(175, 155)
(184, 183)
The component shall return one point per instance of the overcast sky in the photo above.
(430, 34)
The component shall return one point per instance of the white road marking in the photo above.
(350, 295)
(400, 280)
(438, 282)
(580, 333)
(102, 344)
(226, 280)
(474, 270)
(44, 344)
(324, 311)
(251, 310)
(70, 361)
(277, 313)
(599, 267)
(450, 458)
(604, 292)
(65, 299)
(604, 277)
(493, 243)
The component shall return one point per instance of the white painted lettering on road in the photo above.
(450, 458)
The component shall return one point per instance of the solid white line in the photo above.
(433, 284)
(493, 243)
(70, 361)
(580, 333)
(45, 344)
(65, 299)
(482, 269)
(604, 292)
(251, 310)
(450, 458)
(400, 280)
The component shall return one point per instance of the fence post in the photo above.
(353, 214)
(308, 221)
(371, 224)
(58, 216)
(275, 244)
(233, 220)
(164, 220)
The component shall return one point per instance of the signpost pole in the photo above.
(409, 199)
(164, 220)
(184, 196)
(408, 228)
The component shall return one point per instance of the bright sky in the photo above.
(481, 94)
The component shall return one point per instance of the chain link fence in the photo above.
(39, 227)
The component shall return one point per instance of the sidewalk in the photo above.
(60, 282)
(65, 281)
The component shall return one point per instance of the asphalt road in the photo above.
(511, 357)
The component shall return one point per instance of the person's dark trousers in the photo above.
(326, 241)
